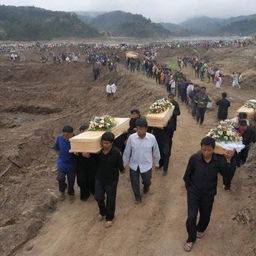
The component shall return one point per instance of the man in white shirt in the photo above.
(141, 149)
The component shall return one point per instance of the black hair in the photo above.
(203, 87)
(135, 111)
(68, 129)
(242, 123)
(108, 136)
(242, 115)
(208, 141)
(171, 95)
(224, 95)
(83, 128)
(141, 122)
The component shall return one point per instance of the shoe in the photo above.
(62, 196)
(101, 218)
(137, 201)
(108, 224)
(164, 173)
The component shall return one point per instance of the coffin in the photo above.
(132, 55)
(89, 141)
(250, 112)
(159, 120)
(219, 150)
(221, 147)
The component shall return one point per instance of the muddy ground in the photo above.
(37, 100)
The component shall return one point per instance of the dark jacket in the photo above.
(109, 165)
(201, 178)
(172, 124)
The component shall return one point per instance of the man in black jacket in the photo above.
(110, 163)
(172, 124)
(249, 136)
(164, 136)
(201, 178)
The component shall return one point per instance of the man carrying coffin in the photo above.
(201, 179)
(164, 136)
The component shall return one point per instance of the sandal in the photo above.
(200, 235)
(188, 246)
(108, 224)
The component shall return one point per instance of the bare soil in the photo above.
(37, 100)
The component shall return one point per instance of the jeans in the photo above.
(61, 178)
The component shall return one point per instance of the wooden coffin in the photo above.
(132, 54)
(89, 141)
(250, 112)
(159, 120)
(219, 150)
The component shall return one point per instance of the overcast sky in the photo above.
(158, 10)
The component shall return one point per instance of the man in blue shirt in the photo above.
(66, 162)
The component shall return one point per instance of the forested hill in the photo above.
(120, 23)
(30, 23)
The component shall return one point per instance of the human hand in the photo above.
(229, 154)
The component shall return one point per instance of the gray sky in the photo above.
(158, 10)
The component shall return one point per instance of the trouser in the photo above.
(228, 178)
(200, 115)
(171, 137)
(244, 154)
(202, 204)
(194, 107)
(106, 208)
(61, 178)
(165, 155)
(135, 181)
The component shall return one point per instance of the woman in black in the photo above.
(86, 171)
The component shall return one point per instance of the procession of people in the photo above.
(141, 149)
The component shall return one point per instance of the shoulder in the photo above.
(150, 136)
(115, 150)
(60, 138)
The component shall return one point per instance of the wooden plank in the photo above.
(89, 141)
(159, 120)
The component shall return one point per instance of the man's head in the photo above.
(171, 97)
(203, 89)
(83, 128)
(142, 127)
(242, 125)
(242, 116)
(68, 132)
(135, 113)
(107, 140)
(207, 147)
(224, 95)
(196, 87)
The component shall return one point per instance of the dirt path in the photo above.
(154, 228)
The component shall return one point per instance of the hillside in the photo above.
(30, 23)
(120, 23)
(242, 25)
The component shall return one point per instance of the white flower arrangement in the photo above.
(103, 123)
(225, 132)
(250, 104)
(160, 106)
